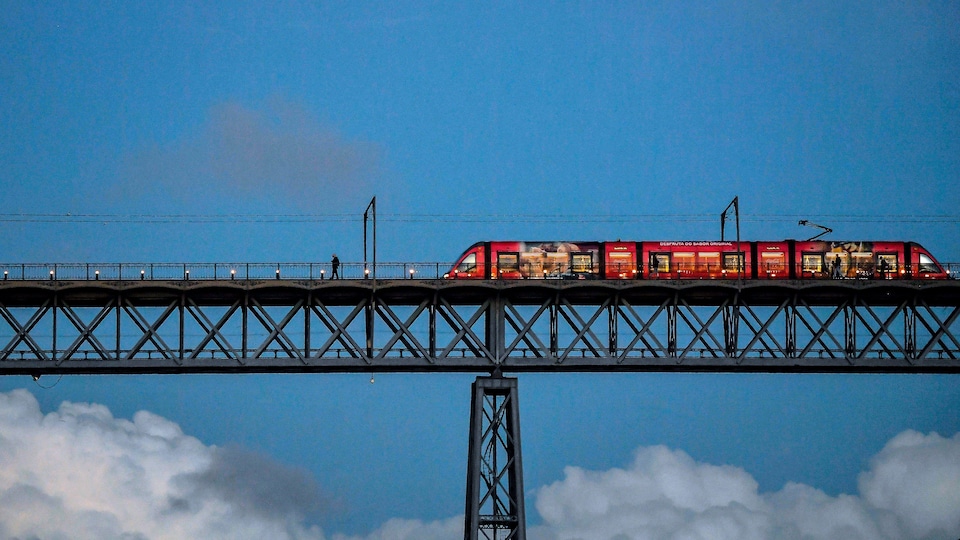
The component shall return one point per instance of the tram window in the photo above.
(709, 261)
(684, 261)
(582, 262)
(468, 264)
(772, 261)
(508, 262)
(733, 261)
(620, 262)
(813, 262)
(927, 264)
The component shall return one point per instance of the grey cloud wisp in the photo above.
(280, 153)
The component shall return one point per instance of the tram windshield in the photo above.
(468, 264)
(927, 264)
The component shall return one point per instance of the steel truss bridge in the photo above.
(138, 322)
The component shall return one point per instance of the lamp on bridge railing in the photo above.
(143, 273)
(51, 275)
(366, 273)
(278, 272)
(411, 273)
(186, 275)
(233, 273)
(5, 273)
(96, 275)
(322, 272)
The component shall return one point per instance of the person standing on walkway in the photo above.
(335, 265)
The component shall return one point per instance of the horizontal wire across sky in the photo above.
(463, 218)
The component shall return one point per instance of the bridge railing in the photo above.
(216, 271)
(304, 270)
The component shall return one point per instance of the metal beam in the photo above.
(439, 325)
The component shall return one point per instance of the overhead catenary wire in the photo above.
(460, 218)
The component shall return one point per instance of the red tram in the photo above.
(787, 259)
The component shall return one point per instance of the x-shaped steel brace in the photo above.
(401, 330)
(464, 331)
(23, 332)
(338, 331)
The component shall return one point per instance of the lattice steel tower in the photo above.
(494, 509)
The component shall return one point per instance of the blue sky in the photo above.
(469, 122)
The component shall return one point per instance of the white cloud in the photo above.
(911, 491)
(916, 477)
(80, 473)
(411, 529)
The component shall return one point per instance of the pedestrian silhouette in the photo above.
(335, 265)
(836, 268)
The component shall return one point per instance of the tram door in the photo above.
(621, 262)
(659, 264)
(508, 265)
(887, 266)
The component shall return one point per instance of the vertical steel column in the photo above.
(368, 316)
(612, 314)
(910, 330)
(306, 321)
(53, 347)
(496, 329)
(554, 327)
(183, 301)
(119, 303)
(244, 331)
(731, 319)
(433, 326)
(494, 502)
(790, 317)
(672, 328)
(850, 330)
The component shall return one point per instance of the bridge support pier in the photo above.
(494, 502)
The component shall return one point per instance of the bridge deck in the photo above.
(349, 291)
(367, 325)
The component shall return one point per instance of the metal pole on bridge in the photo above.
(371, 307)
(370, 207)
(741, 260)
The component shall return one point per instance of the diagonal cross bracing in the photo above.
(643, 333)
(100, 327)
(939, 332)
(214, 331)
(23, 331)
(761, 332)
(276, 330)
(583, 329)
(150, 332)
(525, 331)
(86, 332)
(464, 331)
(338, 331)
(402, 331)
